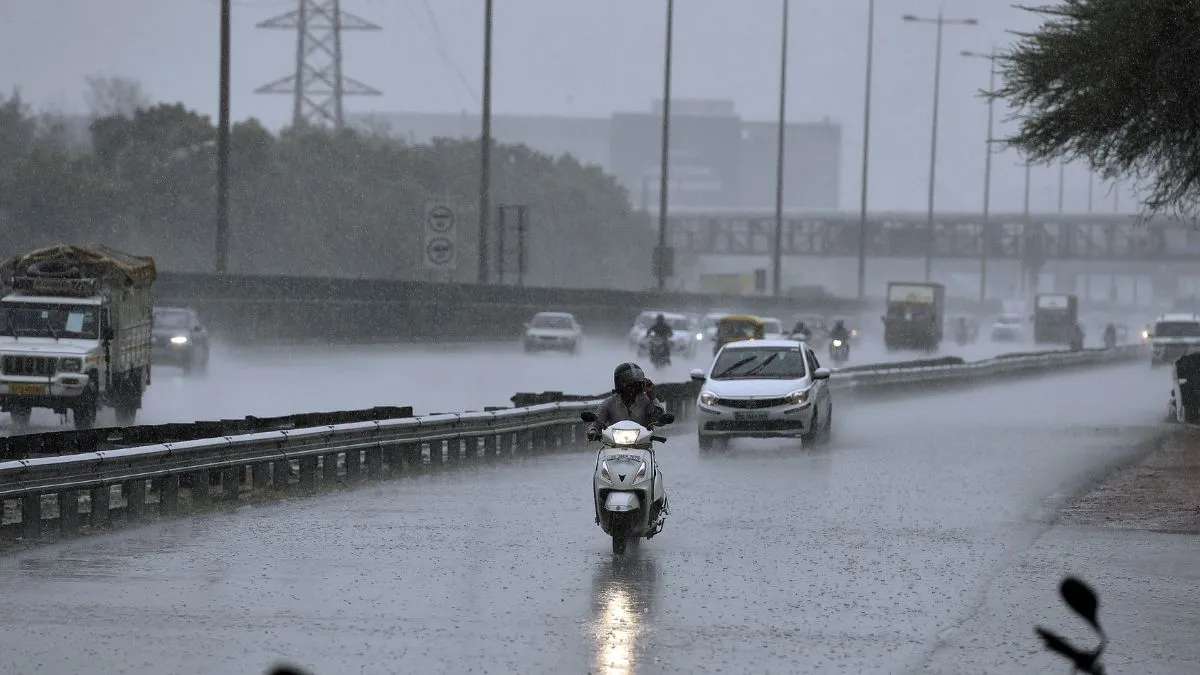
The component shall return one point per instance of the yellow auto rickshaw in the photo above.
(738, 327)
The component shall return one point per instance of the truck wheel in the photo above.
(85, 410)
(20, 419)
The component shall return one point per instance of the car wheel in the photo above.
(825, 435)
(706, 443)
(813, 435)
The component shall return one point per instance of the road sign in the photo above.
(441, 237)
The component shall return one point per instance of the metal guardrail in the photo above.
(51, 490)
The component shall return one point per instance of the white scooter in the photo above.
(627, 482)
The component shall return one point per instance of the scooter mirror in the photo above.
(666, 418)
(587, 416)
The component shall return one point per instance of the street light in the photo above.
(485, 147)
(222, 238)
(940, 21)
(1062, 175)
(783, 50)
(987, 171)
(660, 257)
(862, 216)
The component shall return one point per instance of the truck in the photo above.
(915, 315)
(1054, 318)
(75, 333)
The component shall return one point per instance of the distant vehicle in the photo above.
(708, 325)
(683, 335)
(553, 331)
(772, 328)
(764, 389)
(1174, 336)
(179, 339)
(915, 315)
(1008, 328)
(850, 323)
(641, 324)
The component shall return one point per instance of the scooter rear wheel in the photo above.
(618, 544)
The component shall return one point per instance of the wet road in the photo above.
(270, 381)
(854, 558)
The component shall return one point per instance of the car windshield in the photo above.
(46, 320)
(1008, 320)
(172, 320)
(554, 322)
(1177, 329)
(767, 363)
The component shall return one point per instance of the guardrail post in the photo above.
(68, 511)
(491, 451)
(98, 513)
(524, 442)
(281, 474)
(231, 481)
(329, 466)
(168, 495)
(437, 453)
(414, 455)
(308, 471)
(31, 515)
(374, 457)
(454, 450)
(471, 445)
(260, 475)
(353, 464)
(134, 492)
(201, 490)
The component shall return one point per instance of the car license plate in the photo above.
(27, 389)
(749, 416)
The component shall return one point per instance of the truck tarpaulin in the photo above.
(89, 261)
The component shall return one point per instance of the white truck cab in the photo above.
(1172, 336)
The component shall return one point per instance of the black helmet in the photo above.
(660, 318)
(627, 374)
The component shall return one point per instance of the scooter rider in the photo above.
(840, 332)
(802, 331)
(1110, 336)
(633, 400)
(662, 329)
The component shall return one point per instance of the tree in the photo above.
(114, 96)
(1117, 84)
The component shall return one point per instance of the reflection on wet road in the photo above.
(852, 558)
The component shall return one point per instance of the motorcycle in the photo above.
(659, 348)
(839, 351)
(627, 483)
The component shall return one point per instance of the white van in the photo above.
(1174, 335)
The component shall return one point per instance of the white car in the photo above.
(683, 335)
(554, 331)
(772, 328)
(1173, 336)
(1008, 328)
(764, 389)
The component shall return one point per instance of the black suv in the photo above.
(179, 339)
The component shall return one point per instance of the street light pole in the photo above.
(1091, 182)
(485, 147)
(1028, 181)
(987, 172)
(940, 21)
(660, 262)
(779, 161)
(222, 238)
(866, 155)
(1062, 175)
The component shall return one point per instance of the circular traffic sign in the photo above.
(439, 251)
(441, 218)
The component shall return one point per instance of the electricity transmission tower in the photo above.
(318, 85)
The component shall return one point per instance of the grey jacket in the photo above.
(644, 411)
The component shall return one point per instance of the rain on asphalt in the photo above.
(851, 558)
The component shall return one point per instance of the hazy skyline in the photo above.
(571, 57)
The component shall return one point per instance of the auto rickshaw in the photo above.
(736, 328)
(1185, 390)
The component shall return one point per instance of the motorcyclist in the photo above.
(1110, 336)
(801, 331)
(840, 332)
(662, 329)
(632, 400)
(1077, 337)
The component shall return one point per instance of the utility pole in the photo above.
(1062, 182)
(318, 86)
(866, 156)
(940, 21)
(780, 155)
(222, 238)
(664, 173)
(485, 146)
(987, 172)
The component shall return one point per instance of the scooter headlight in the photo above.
(641, 473)
(624, 436)
(797, 397)
(837, 343)
(179, 340)
(604, 472)
(699, 336)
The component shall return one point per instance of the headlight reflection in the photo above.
(615, 633)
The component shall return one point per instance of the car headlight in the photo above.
(604, 472)
(641, 473)
(1145, 335)
(708, 398)
(797, 397)
(624, 436)
(70, 365)
(837, 343)
(179, 340)
(699, 336)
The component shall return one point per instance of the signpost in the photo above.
(441, 238)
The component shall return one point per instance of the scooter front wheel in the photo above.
(618, 544)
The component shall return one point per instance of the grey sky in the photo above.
(580, 57)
